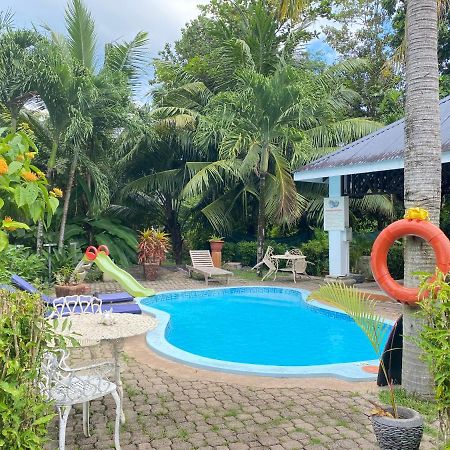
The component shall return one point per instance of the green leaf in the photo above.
(36, 210)
(31, 193)
(54, 203)
(15, 224)
(20, 196)
(14, 167)
(2, 202)
(44, 419)
(3, 240)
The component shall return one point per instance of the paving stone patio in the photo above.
(175, 409)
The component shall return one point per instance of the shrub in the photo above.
(434, 341)
(24, 413)
(229, 251)
(316, 252)
(245, 251)
(395, 261)
(23, 262)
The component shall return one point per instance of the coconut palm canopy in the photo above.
(236, 104)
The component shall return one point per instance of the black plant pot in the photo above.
(404, 433)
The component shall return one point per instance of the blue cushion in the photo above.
(115, 297)
(23, 284)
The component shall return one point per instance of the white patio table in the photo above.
(288, 257)
(89, 330)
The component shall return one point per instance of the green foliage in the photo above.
(245, 251)
(316, 251)
(23, 186)
(24, 413)
(434, 340)
(64, 276)
(21, 261)
(395, 261)
(121, 240)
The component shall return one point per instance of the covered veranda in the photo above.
(371, 165)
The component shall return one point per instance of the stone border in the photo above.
(157, 342)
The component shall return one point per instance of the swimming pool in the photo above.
(258, 330)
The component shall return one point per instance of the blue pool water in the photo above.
(265, 326)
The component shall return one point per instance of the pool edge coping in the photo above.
(156, 340)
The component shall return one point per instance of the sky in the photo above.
(114, 19)
(122, 19)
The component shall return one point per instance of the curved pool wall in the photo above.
(156, 339)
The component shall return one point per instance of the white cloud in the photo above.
(114, 19)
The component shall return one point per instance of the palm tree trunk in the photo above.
(261, 232)
(50, 167)
(422, 167)
(67, 194)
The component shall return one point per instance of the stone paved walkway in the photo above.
(177, 409)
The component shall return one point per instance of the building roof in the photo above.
(381, 150)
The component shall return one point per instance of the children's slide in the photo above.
(105, 264)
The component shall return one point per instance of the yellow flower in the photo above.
(3, 166)
(20, 158)
(57, 192)
(30, 155)
(29, 176)
(7, 220)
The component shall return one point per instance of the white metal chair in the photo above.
(67, 386)
(75, 304)
(267, 260)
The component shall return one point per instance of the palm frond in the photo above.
(360, 307)
(204, 175)
(81, 29)
(128, 57)
(335, 134)
(165, 181)
(283, 203)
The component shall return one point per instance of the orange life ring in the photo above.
(405, 227)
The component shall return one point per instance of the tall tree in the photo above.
(422, 165)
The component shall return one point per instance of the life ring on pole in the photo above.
(414, 224)
(91, 253)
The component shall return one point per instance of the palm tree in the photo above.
(263, 126)
(422, 165)
(89, 117)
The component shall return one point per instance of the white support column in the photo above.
(339, 245)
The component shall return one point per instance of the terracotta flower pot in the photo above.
(151, 271)
(404, 433)
(76, 289)
(216, 246)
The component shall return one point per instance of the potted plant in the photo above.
(152, 249)
(68, 283)
(216, 243)
(395, 427)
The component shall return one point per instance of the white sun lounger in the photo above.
(202, 263)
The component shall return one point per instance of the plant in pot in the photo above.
(152, 250)
(216, 243)
(68, 283)
(395, 427)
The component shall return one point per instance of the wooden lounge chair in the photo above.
(202, 263)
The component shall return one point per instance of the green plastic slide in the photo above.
(128, 283)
